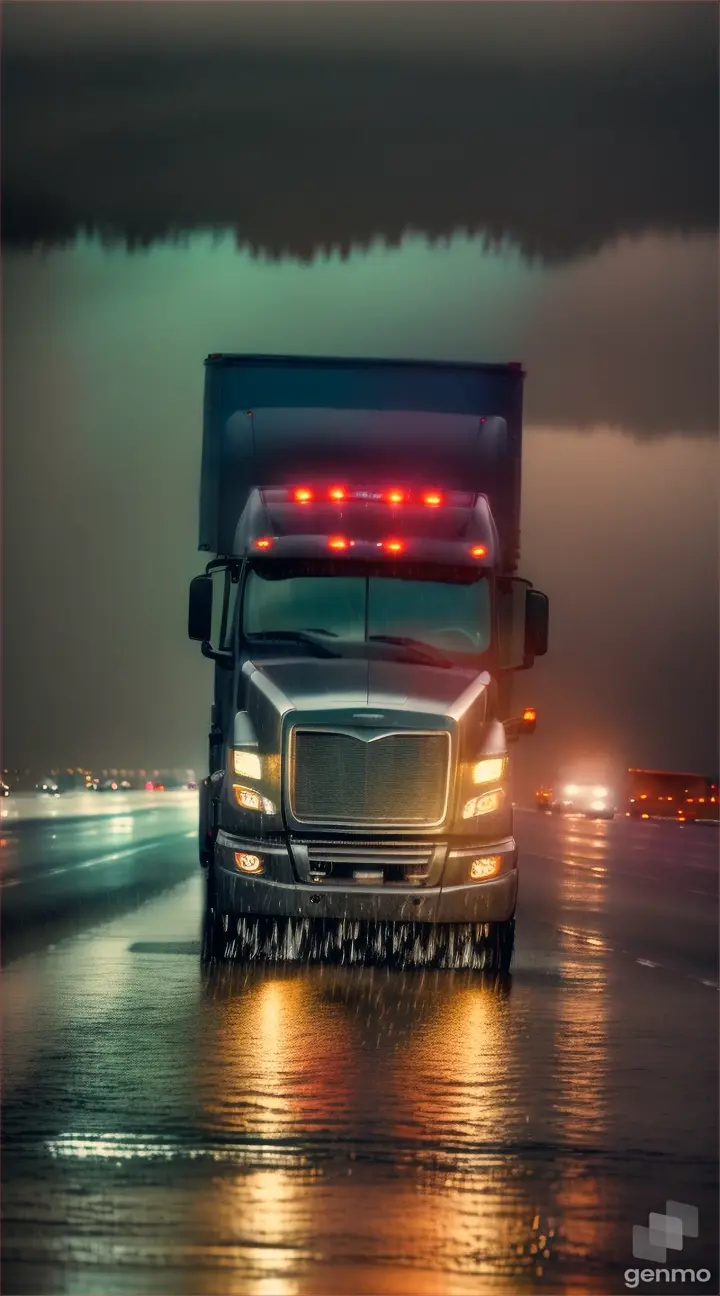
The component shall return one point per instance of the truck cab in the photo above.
(365, 624)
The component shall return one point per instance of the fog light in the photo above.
(489, 770)
(249, 799)
(247, 763)
(485, 867)
(248, 863)
(483, 805)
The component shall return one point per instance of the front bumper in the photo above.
(279, 892)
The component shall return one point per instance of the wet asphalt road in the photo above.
(348, 1131)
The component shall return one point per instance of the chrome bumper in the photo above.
(452, 898)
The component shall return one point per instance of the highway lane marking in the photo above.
(612, 869)
(111, 858)
(595, 941)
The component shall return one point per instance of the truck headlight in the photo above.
(483, 805)
(248, 764)
(489, 770)
(251, 799)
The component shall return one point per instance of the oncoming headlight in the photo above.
(489, 770)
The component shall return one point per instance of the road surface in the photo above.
(28, 807)
(315, 1131)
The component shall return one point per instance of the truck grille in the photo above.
(398, 778)
(386, 863)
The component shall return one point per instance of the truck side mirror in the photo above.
(200, 609)
(523, 614)
(537, 617)
(519, 726)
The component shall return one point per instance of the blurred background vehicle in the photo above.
(664, 794)
(48, 787)
(588, 788)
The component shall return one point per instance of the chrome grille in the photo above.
(397, 778)
(398, 863)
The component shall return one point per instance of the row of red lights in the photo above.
(390, 546)
(304, 495)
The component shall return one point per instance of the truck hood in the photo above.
(337, 684)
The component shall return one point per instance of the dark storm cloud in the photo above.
(161, 118)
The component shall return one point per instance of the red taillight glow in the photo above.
(393, 546)
(302, 495)
(396, 496)
(263, 543)
(338, 542)
(479, 551)
(433, 499)
(337, 493)
(529, 714)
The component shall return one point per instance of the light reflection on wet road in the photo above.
(342, 1130)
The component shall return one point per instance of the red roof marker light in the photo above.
(264, 543)
(479, 551)
(393, 546)
(433, 499)
(396, 496)
(338, 493)
(338, 542)
(302, 495)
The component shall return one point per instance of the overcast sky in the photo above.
(569, 31)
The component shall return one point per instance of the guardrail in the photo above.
(22, 808)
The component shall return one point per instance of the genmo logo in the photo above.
(633, 1277)
(663, 1233)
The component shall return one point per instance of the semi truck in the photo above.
(666, 794)
(362, 609)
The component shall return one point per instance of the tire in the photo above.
(501, 946)
(214, 939)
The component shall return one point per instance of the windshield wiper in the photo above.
(421, 652)
(299, 636)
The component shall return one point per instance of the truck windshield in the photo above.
(454, 616)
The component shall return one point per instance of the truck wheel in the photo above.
(500, 946)
(214, 938)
